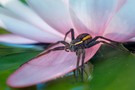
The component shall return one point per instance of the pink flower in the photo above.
(49, 20)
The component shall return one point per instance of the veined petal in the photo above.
(15, 39)
(54, 12)
(27, 30)
(7, 12)
(46, 67)
(28, 15)
(122, 26)
(94, 14)
(80, 27)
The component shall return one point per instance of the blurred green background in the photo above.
(109, 69)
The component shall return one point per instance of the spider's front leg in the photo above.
(72, 34)
(48, 49)
(46, 52)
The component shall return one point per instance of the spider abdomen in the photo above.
(82, 40)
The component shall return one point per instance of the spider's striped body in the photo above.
(81, 42)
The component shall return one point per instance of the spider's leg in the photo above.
(56, 43)
(112, 45)
(97, 42)
(77, 65)
(50, 50)
(92, 43)
(72, 34)
(82, 65)
(46, 52)
(97, 37)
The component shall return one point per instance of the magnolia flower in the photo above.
(49, 20)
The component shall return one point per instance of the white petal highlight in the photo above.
(54, 12)
(122, 26)
(27, 30)
(4, 2)
(28, 15)
(15, 39)
(94, 14)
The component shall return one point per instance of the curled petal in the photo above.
(94, 14)
(26, 14)
(46, 67)
(54, 12)
(122, 26)
(131, 40)
(11, 38)
(27, 30)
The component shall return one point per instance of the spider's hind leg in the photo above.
(79, 72)
(76, 72)
(82, 65)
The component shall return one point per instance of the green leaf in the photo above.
(3, 77)
(24, 1)
(113, 70)
(12, 61)
(9, 61)
(3, 31)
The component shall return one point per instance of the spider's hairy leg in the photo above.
(78, 53)
(101, 37)
(94, 42)
(82, 65)
(112, 45)
(72, 34)
(56, 43)
(50, 50)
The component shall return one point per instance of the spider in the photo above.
(77, 45)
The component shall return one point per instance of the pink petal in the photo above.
(132, 39)
(66, 1)
(54, 12)
(30, 17)
(81, 28)
(122, 26)
(27, 30)
(47, 67)
(94, 14)
(10, 38)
